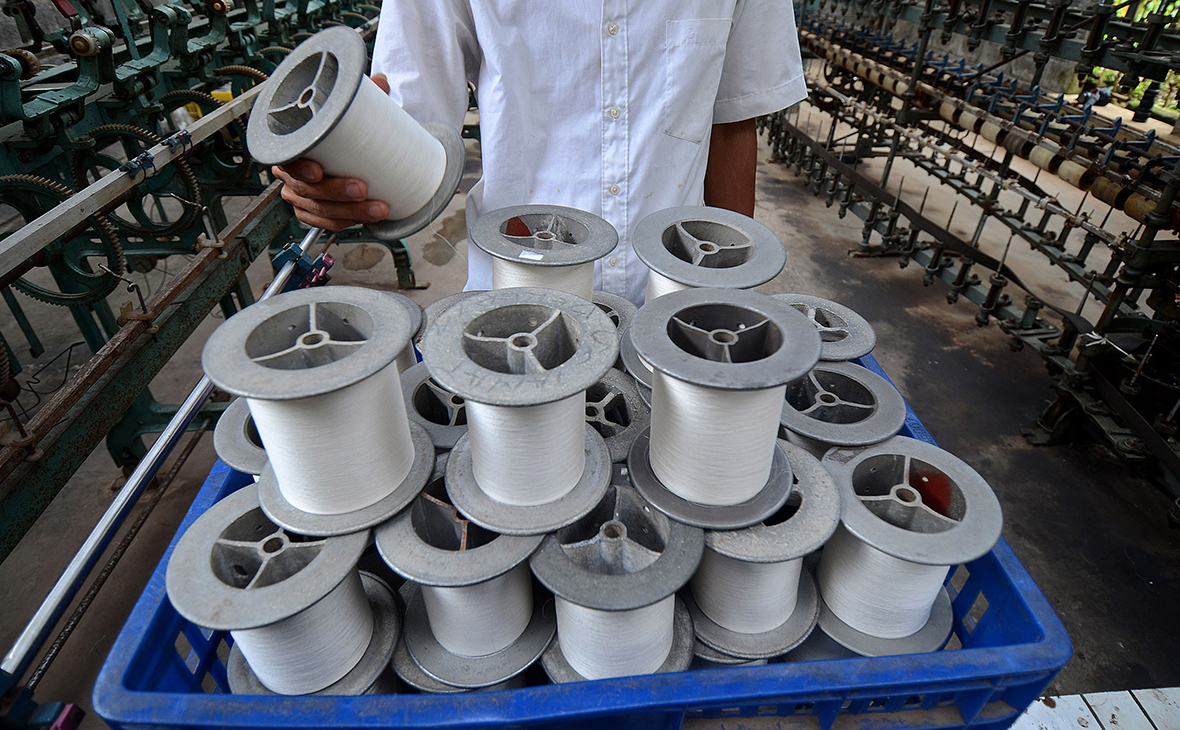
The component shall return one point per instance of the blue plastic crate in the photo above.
(164, 672)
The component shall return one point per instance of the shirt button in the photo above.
(615, 113)
(615, 190)
(614, 261)
(613, 29)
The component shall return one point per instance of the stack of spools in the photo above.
(543, 514)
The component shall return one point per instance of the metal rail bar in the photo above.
(20, 656)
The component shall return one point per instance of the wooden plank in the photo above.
(1162, 706)
(1058, 713)
(1117, 711)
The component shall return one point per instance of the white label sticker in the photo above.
(531, 256)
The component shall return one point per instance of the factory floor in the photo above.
(1095, 538)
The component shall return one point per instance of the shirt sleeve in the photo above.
(763, 69)
(428, 51)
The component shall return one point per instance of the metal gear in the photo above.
(88, 165)
(224, 159)
(31, 196)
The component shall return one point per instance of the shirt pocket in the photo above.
(694, 54)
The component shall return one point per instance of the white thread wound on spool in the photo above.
(405, 359)
(875, 593)
(528, 455)
(341, 451)
(713, 447)
(604, 644)
(314, 648)
(749, 598)
(658, 285)
(484, 618)
(577, 280)
(379, 142)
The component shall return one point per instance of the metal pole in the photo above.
(36, 631)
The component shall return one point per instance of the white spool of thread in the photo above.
(604, 644)
(314, 648)
(484, 618)
(303, 436)
(378, 142)
(875, 593)
(528, 455)
(577, 280)
(749, 598)
(658, 285)
(713, 447)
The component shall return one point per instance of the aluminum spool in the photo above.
(237, 442)
(621, 311)
(819, 647)
(406, 359)
(431, 312)
(268, 351)
(913, 501)
(846, 335)
(431, 544)
(800, 528)
(556, 236)
(344, 51)
(372, 676)
(473, 351)
(615, 409)
(622, 556)
(211, 573)
(709, 247)
(766, 343)
(440, 412)
(841, 404)
(708, 658)
(635, 366)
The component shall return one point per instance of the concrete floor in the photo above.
(1095, 538)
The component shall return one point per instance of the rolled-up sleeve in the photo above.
(763, 69)
(427, 50)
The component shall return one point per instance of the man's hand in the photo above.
(331, 203)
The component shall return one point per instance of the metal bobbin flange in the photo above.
(431, 312)
(846, 334)
(841, 404)
(236, 440)
(371, 676)
(615, 409)
(725, 340)
(544, 235)
(406, 359)
(819, 647)
(634, 365)
(433, 407)
(522, 347)
(342, 335)
(621, 311)
(622, 556)
(709, 247)
(411, 674)
(344, 52)
(212, 576)
(913, 501)
(800, 528)
(708, 658)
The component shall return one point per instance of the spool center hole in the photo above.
(613, 530)
(907, 495)
(307, 95)
(311, 339)
(272, 545)
(546, 235)
(707, 247)
(723, 337)
(827, 398)
(524, 341)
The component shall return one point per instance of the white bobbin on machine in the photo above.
(722, 360)
(304, 620)
(236, 440)
(846, 334)
(522, 360)
(615, 574)
(841, 404)
(546, 246)
(319, 105)
(910, 512)
(752, 597)
(471, 619)
(318, 370)
(692, 247)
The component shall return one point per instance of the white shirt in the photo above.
(603, 106)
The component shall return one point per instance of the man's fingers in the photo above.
(369, 211)
(340, 189)
(303, 170)
(381, 81)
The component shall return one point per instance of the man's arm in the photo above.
(729, 176)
